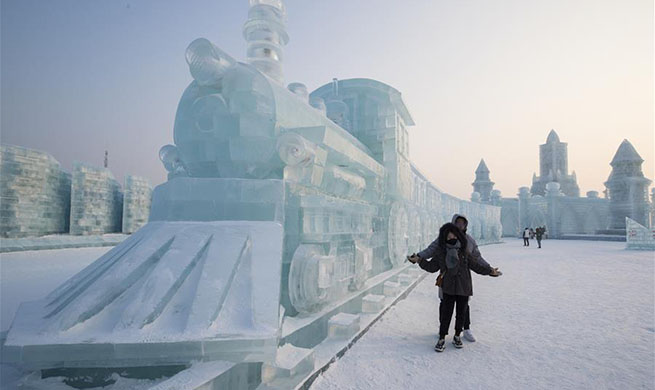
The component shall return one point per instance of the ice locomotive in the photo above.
(285, 216)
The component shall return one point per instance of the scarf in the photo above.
(452, 257)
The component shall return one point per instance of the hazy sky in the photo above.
(481, 78)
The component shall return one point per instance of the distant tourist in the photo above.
(539, 233)
(526, 237)
(450, 257)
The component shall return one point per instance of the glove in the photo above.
(413, 258)
(495, 272)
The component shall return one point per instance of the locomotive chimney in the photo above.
(335, 86)
(265, 32)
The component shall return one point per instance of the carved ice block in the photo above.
(373, 303)
(406, 279)
(391, 289)
(289, 361)
(343, 325)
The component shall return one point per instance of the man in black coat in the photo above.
(540, 234)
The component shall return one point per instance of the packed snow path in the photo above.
(572, 315)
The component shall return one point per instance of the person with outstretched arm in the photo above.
(448, 255)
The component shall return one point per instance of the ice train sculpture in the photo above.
(279, 209)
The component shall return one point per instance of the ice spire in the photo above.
(483, 186)
(626, 153)
(552, 137)
(482, 167)
(265, 32)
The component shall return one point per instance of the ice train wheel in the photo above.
(305, 292)
(397, 234)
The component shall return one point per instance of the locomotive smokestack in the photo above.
(265, 32)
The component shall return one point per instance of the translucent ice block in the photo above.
(372, 303)
(392, 289)
(343, 325)
(289, 361)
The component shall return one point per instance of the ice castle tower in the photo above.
(554, 167)
(628, 188)
(483, 184)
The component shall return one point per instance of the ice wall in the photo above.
(562, 215)
(638, 236)
(136, 203)
(96, 201)
(34, 193)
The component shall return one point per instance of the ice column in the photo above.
(265, 32)
(136, 203)
(34, 193)
(96, 201)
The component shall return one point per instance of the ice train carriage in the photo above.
(278, 206)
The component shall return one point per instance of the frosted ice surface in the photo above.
(169, 282)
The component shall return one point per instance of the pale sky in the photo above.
(482, 79)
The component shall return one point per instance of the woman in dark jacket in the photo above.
(449, 255)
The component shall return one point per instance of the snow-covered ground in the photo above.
(572, 315)
(30, 275)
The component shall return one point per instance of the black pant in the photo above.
(467, 315)
(526, 241)
(539, 242)
(448, 303)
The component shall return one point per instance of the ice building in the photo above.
(37, 198)
(482, 184)
(96, 201)
(34, 193)
(564, 213)
(554, 167)
(136, 203)
(282, 231)
(627, 188)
